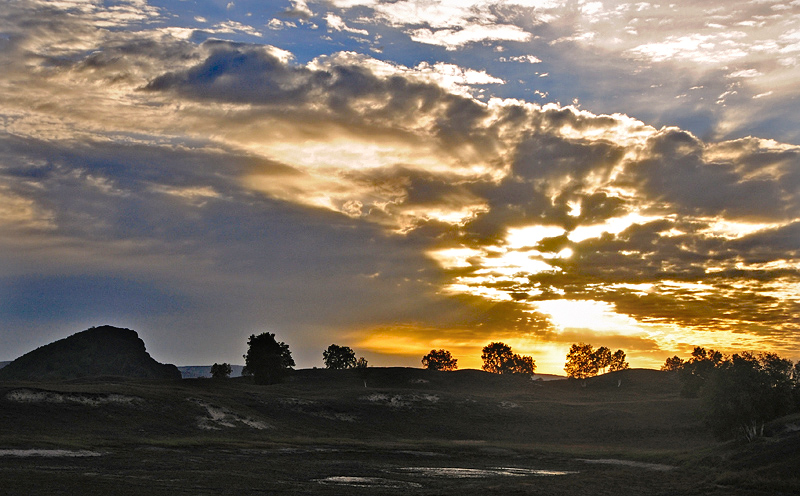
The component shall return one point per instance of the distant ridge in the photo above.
(199, 371)
(95, 352)
(3, 364)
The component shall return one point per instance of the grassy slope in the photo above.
(467, 416)
(643, 413)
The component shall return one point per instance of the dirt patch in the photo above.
(375, 482)
(85, 399)
(402, 400)
(219, 417)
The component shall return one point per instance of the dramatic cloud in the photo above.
(205, 188)
(707, 44)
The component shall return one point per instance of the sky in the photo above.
(400, 176)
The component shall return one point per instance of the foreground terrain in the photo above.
(408, 431)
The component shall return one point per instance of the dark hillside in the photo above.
(96, 352)
(644, 413)
(323, 432)
(632, 408)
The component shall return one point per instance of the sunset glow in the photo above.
(401, 176)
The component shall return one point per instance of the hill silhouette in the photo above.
(95, 352)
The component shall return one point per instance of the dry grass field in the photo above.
(409, 431)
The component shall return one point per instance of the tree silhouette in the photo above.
(673, 364)
(580, 362)
(499, 359)
(267, 360)
(583, 361)
(602, 358)
(740, 393)
(339, 357)
(744, 392)
(524, 364)
(221, 371)
(361, 368)
(495, 356)
(439, 360)
(696, 370)
(618, 362)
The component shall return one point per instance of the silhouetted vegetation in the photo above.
(361, 368)
(267, 360)
(584, 361)
(746, 391)
(618, 361)
(602, 359)
(740, 393)
(672, 364)
(580, 363)
(221, 371)
(499, 359)
(697, 369)
(339, 357)
(439, 360)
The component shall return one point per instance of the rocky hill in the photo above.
(95, 352)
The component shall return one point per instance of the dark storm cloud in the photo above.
(676, 171)
(242, 73)
(345, 94)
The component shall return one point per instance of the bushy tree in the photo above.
(221, 371)
(580, 362)
(796, 384)
(673, 364)
(361, 368)
(696, 370)
(439, 360)
(339, 357)
(495, 356)
(618, 362)
(742, 393)
(499, 359)
(583, 361)
(602, 359)
(524, 364)
(267, 359)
